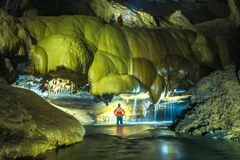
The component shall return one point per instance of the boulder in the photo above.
(215, 107)
(29, 125)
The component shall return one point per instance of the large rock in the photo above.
(215, 107)
(29, 125)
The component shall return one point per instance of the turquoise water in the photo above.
(165, 112)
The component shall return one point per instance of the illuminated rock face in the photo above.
(179, 20)
(29, 125)
(70, 52)
(116, 59)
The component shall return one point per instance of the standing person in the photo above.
(119, 112)
(120, 21)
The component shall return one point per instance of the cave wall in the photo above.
(19, 8)
(117, 59)
(121, 59)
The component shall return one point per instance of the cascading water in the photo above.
(155, 112)
(166, 111)
(134, 114)
(171, 110)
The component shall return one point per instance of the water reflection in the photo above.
(143, 142)
(119, 131)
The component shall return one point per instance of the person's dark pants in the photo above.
(119, 119)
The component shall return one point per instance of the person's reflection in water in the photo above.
(120, 130)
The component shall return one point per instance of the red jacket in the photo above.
(120, 20)
(119, 112)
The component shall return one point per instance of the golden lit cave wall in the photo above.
(119, 60)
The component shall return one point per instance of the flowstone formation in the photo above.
(116, 59)
(110, 11)
(214, 112)
(29, 125)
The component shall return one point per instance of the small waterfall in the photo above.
(165, 111)
(157, 106)
(169, 111)
(134, 108)
(172, 109)
(155, 112)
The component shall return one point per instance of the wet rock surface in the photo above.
(30, 126)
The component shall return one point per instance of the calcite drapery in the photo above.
(119, 59)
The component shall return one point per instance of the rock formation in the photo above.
(176, 44)
(214, 112)
(128, 60)
(109, 11)
(30, 126)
